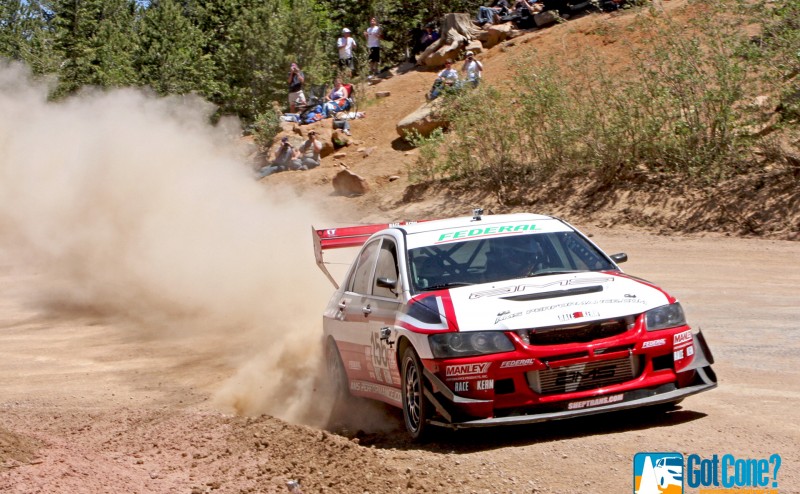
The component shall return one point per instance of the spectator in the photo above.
(346, 44)
(374, 34)
(336, 99)
(428, 37)
(472, 69)
(310, 150)
(286, 158)
(448, 77)
(296, 81)
(493, 13)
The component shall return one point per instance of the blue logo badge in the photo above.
(658, 473)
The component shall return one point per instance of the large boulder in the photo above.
(497, 34)
(348, 184)
(424, 120)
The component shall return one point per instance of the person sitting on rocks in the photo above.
(472, 69)
(493, 13)
(310, 151)
(429, 36)
(447, 78)
(286, 158)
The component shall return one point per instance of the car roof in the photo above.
(470, 221)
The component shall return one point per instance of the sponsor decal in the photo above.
(484, 384)
(583, 303)
(603, 400)
(658, 473)
(354, 365)
(654, 343)
(578, 315)
(689, 351)
(521, 288)
(664, 473)
(678, 355)
(461, 386)
(502, 316)
(466, 369)
(393, 394)
(488, 231)
(516, 363)
(681, 338)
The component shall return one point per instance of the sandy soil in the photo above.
(133, 360)
(90, 406)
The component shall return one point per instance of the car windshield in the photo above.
(502, 258)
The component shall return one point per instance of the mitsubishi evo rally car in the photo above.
(506, 319)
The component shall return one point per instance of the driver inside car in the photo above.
(513, 257)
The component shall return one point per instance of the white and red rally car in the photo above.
(502, 319)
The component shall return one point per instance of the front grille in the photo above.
(578, 333)
(588, 375)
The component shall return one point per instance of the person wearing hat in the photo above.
(346, 44)
(310, 151)
(472, 69)
(286, 158)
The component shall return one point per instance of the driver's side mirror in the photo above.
(619, 258)
(387, 283)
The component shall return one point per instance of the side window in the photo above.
(386, 268)
(362, 277)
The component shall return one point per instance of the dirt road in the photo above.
(91, 403)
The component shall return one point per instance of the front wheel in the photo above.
(416, 408)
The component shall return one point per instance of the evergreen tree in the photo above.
(26, 34)
(96, 39)
(170, 56)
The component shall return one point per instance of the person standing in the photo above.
(473, 69)
(374, 34)
(296, 81)
(346, 44)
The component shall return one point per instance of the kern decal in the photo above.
(654, 343)
(484, 384)
(488, 231)
(603, 400)
(516, 363)
(466, 369)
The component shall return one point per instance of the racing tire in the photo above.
(416, 407)
(336, 374)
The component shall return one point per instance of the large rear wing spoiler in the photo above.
(348, 236)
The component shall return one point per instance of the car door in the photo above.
(382, 305)
(350, 327)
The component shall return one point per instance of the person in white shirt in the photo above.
(472, 69)
(345, 45)
(448, 77)
(374, 34)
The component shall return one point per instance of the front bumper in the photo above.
(702, 379)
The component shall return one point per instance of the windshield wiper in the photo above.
(554, 271)
(442, 286)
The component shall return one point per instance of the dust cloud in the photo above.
(134, 207)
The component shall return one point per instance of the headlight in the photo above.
(666, 316)
(448, 345)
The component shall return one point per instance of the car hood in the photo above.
(552, 300)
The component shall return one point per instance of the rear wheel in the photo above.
(416, 408)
